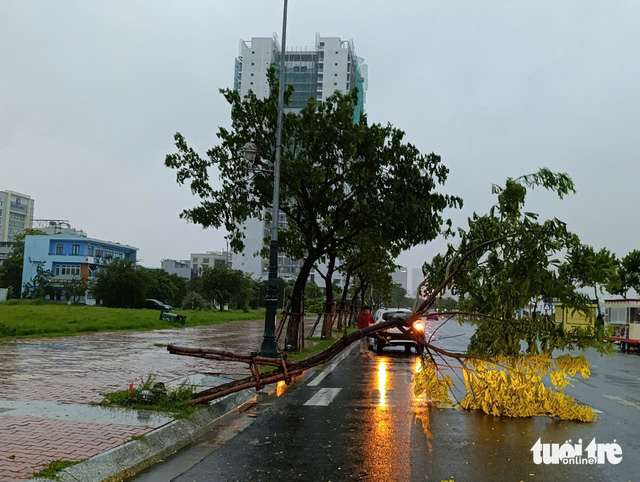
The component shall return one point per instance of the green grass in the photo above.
(173, 401)
(25, 318)
(51, 470)
(141, 438)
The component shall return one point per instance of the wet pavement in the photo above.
(361, 421)
(46, 386)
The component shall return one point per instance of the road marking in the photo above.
(323, 397)
(595, 410)
(623, 401)
(321, 376)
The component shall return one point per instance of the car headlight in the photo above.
(418, 325)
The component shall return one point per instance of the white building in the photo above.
(200, 261)
(315, 72)
(181, 267)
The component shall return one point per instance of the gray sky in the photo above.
(92, 92)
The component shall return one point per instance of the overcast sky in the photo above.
(92, 92)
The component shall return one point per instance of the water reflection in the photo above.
(382, 383)
(421, 409)
(280, 389)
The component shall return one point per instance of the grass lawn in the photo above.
(37, 319)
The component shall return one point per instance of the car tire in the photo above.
(379, 347)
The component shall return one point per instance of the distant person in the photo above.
(364, 320)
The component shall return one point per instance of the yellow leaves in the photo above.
(426, 382)
(513, 387)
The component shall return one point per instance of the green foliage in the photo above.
(165, 287)
(121, 285)
(507, 259)
(11, 268)
(53, 468)
(629, 274)
(195, 301)
(74, 288)
(586, 267)
(227, 286)
(164, 399)
(446, 303)
(339, 179)
(40, 285)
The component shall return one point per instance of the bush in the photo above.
(195, 301)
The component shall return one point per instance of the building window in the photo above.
(90, 250)
(59, 249)
(336, 64)
(251, 74)
(108, 254)
(253, 51)
(335, 75)
(335, 83)
(205, 260)
(99, 252)
(336, 54)
(75, 249)
(321, 44)
(252, 63)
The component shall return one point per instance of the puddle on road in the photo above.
(82, 413)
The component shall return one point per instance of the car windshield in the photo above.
(395, 314)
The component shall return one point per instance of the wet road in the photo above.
(362, 422)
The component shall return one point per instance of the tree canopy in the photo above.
(339, 179)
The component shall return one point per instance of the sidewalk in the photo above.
(46, 386)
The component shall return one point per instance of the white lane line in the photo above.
(323, 397)
(595, 410)
(321, 376)
(623, 401)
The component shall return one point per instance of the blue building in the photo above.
(70, 256)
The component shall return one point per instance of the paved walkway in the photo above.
(47, 384)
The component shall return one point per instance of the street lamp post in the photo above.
(269, 347)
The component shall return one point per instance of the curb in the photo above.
(134, 456)
(131, 458)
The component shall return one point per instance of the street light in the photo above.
(269, 347)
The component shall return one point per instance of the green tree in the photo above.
(11, 268)
(122, 284)
(75, 288)
(40, 285)
(504, 260)
(587, 268)
(338, 180)
(226, 286)
(628, 274)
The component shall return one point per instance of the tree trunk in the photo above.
(291, 338)
(327, 322)
(343, 301)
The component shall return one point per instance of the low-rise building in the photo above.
(181, 267)
(70, 256)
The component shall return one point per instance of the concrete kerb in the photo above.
(132, 457)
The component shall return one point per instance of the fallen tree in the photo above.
(504, 260)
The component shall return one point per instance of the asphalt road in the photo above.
(361, 421)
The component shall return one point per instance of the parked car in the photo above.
(393, 336)
(157, 305)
